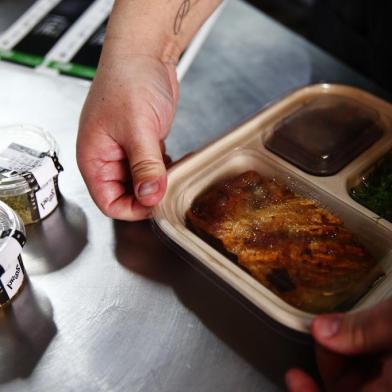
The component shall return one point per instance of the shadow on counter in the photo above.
(57, 240)
(249, 335)
(26, 330)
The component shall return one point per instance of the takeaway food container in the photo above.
(274, 144)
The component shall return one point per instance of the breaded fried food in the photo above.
(289, 243)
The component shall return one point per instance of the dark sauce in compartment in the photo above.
(326, 134)
(375, 190)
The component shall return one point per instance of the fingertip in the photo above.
(149, 193)
(291, 378)
(326, 327)
(115, 202)
(298, 381)
(128, 209)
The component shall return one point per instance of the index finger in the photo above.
(108, 185)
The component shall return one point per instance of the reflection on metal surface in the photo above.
(132, 316)
(57, 240)
(26, 329)
(11, 10)
(250, 335)
(139, 251)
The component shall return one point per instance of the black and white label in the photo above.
(11, 267)
(46, 199)
(40, 170)
(37, 168)
(12, 279)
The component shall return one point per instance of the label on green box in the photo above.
(77, 70)
(22, 58)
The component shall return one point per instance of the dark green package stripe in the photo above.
(22, 58)
(70, 69)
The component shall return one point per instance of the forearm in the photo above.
(158, 28)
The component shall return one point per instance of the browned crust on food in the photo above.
(289, 243)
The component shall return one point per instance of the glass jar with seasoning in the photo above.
(29, 170)
(12, 240)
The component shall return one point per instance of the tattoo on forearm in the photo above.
(182, 12)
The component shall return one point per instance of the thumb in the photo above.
(147, 167)
(362, 332)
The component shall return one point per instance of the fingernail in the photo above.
(148, 188)
(328, 327)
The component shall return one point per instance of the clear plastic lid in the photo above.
(243, 150)
(325, 134)
(23, 137)
(373, 188)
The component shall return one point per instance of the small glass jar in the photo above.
(29, 171)
(12, 240)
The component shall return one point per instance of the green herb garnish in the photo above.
(375, 191)
(21, 205)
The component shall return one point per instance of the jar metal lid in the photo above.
(29, 136)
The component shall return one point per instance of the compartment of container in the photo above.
(373, 187)
(193, 180)
(325, 133)
(29, 170)
(243, 150)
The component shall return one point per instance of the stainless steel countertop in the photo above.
(109, 307)
(11, 10)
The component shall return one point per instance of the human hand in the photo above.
(120, 146)
(354, 352)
